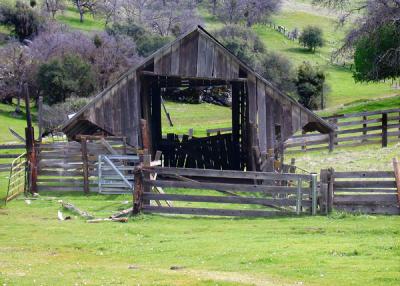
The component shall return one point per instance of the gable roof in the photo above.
(166, 52)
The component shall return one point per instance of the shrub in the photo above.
(310, 85)
(62, 78)
(23, 20)
(376, 55)
(312, 38)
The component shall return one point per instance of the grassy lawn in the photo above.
(197, 116)
(337, 250)
(70, 17)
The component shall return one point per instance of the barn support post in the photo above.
(314, 193)
(384, 130)
(30, 145)
(85, 165)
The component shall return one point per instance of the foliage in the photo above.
(55, 115)
(312, 38)
(371, 20)
(60, 79)
(247, 11)
(243, 43)
(163, 17)
(146, 42)
(310, 85)
(85, 6)
(249, 48)
(279, 70)
(371, 55)
(13, 70)
(54, 6)
(23, 20)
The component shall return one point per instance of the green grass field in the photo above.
(338, 250)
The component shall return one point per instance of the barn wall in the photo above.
(117, 112)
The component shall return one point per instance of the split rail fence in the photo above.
(374, 127)
(225, 193)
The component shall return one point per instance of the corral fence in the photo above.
(224, 193)
(17, 179)
(372, 192)
(73, 166)
(374, 127)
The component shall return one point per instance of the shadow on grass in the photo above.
(301, 50)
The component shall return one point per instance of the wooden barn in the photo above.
(263, 117)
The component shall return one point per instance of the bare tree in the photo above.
(14, 63)
(85, 6)
(54, 6)
(247, 11)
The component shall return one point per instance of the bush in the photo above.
(375, 56)
(146, 42)
(150, 43)
(23, 19)
(312, 38)
(57, 114)
(310, 85)
(278, 70)
(60, 79)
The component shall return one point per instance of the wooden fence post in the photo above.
(365, 128)
(85, 165)
(331, 192)
(331, 141)
(146, 161)
(40, 118)
(30, 145)
(396, 167)
(384, 130)
(324, 191)
(314, 193)
(138, 191)
(299, 197)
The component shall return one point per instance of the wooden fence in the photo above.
(359, 192)
(73, 166)
(374, 127)
(225, 193)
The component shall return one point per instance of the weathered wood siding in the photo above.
(118, 110)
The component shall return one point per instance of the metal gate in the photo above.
(116, 173)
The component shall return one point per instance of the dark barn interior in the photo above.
(263, 118)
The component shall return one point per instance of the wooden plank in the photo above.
(365, 184)
(396, 167)
(365, 190)
(367, 174)
(262, 117)
(212, 212)
(13, 146)
(221, 186)
(378, 199)
(190, 172)
(224, 199)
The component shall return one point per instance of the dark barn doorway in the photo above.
(226, 151)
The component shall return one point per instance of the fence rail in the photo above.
(373, 127)
(226, 193)
(359, 192)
